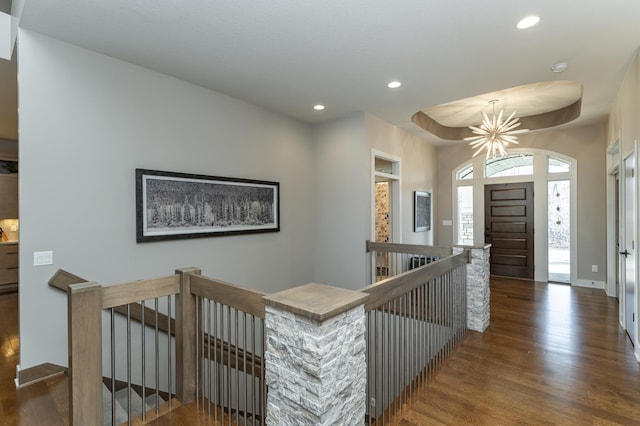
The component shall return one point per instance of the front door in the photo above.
(509, 228)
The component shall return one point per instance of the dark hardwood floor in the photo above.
(553, 354)
(43, 403)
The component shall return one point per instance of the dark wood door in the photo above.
(508, 228)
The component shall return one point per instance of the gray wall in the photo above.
(87, 121)
(587, 145)
(342, 159)
(341, 194)
(418, 171)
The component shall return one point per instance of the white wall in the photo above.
(86, 122)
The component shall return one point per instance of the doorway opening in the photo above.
(386, 226)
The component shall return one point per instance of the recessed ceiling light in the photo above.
(528, 22)
(394, 84)
(318, 107)
(559, 67)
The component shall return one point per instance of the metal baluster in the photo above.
(434, 326)
(391, 365)
(402, 347)
(113, 367)
(412, 346)
(423, 334)
(465, 300)
(216, 369)
(206, 382)
(376, 370)
(229, 402)
(244, 363)
(157, 346)
(144, 355)
(237, 365)
(368, 367)
(253, 370)
(170, 372)
(264, 385)
(445, 314)
(439, 317)
(385, 359)
(129, 364)
(197, 328)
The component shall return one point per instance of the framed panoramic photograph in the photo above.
(421, 211)
(173, 205)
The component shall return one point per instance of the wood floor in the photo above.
(44, 403)
(553, 354)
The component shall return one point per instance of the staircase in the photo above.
(138, 406)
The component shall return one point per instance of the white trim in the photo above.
(589, 284)
(613, 174)
(636, 240)
(540, 178)
(624, 244)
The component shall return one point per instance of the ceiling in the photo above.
(288, 55)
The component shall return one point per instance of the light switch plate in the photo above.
(41, 258)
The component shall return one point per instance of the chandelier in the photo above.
(494, 134)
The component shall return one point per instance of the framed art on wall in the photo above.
(171, 205)
(421, 211)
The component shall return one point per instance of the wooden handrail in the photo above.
(132, 292)
(219, 291)
(62, 279)
(408, 249)
(237, 297)
(386, 290)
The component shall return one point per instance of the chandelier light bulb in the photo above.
(494, 134)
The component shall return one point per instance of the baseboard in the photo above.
(37, 373)
(589, 284)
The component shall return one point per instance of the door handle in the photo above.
(625, 253)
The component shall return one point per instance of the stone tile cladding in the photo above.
(478, 291)
(315, 371)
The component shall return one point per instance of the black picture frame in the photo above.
(173, 205)
(421, 211)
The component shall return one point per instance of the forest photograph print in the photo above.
(173, 205)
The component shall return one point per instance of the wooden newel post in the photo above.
(186, 356)
(85, 353)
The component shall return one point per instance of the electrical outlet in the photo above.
(594, 268)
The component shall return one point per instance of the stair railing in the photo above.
(415, 316)
(416, 313)
(230, 342)
(86, 302)
(217, 358)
